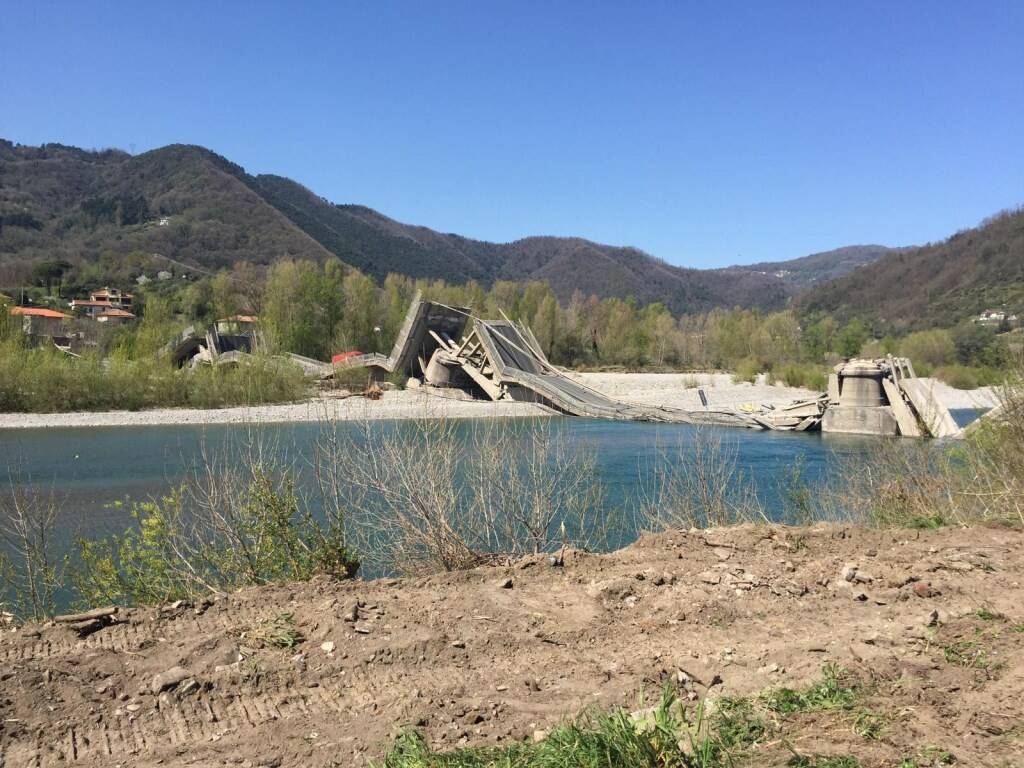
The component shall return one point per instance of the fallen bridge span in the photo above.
(449, 347)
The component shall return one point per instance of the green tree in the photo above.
(972, 340)
(49, 273)
(362, 313)
(933, 348)
(224, 296)
(293, 319)
(852, 338)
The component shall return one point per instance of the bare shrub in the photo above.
(993, 458)
(31, 570)
(539, 490)
(897, 483)
(237, 520)
(697, 483)
(403, 480)
(436, 495)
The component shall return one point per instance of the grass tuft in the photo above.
(835, 690)
(985, 613)
(665, 736)
(278, 632)
(868, 724)
(969, 654)
(823, 761)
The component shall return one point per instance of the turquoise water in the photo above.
(90, 470)
(92, 473)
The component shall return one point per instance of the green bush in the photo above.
(932, 348)
(188, 544)
(970, 377)
(800, 375)
(354, 379)
(747, 369)
(45, 380)
(959, 376)
(398, 379)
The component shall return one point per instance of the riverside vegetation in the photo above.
(129, 372)
(317, 310)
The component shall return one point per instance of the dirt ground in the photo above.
(931, 621)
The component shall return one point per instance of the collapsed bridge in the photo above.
(449, 347)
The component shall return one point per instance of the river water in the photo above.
(94, 474)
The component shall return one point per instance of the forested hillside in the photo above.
(62, 203)
(817, 268)
(936, 285)
(106, 213)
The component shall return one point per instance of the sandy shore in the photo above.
(674, 390)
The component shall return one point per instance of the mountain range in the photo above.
(194, 206)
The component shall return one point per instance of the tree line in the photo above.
(322, 309)
(319, 309)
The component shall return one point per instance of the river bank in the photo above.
(660, 389)
(667, 389)
(927, 623)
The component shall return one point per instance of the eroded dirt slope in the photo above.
(932, 618)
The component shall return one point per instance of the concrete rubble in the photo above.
(450, 348)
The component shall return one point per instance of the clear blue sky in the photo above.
(706, 134)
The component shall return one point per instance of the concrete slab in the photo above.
(933, 413)
(860, 420)
(833, 388)
(906, 420)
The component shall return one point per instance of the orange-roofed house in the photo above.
(114, 316)
(38, 323)
(90, 307)
(114, 297)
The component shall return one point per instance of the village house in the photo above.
(102, 301)
(114, 316)
(114, 296)
(38, 323)
(89, 307)
(991, 316)
(996, 317)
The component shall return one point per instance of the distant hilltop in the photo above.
(197, 208)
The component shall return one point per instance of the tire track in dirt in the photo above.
(469, 662)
